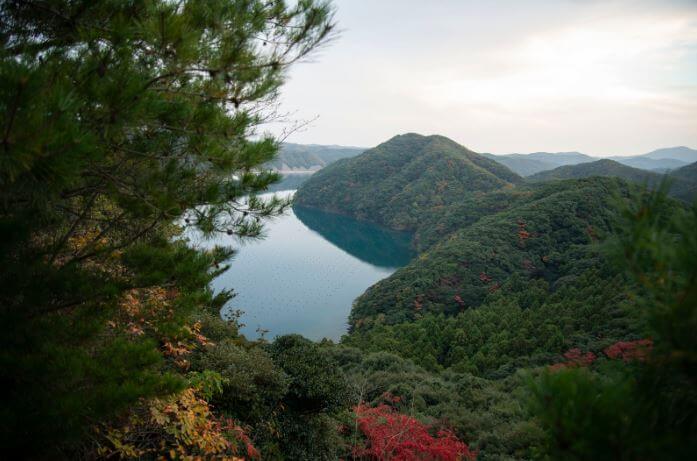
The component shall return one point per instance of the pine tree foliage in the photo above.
(117, 118)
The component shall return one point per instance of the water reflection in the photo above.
(372, 244)
(303, 277)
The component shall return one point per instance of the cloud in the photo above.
(550, 75)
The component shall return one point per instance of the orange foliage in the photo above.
(180, 427)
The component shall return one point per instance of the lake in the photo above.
(304, 275)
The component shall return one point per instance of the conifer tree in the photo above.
(117, 118)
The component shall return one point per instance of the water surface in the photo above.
(303, 277)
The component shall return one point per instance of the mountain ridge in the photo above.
(660, 160)
(309, 157)
(410, 173)
(682, 181)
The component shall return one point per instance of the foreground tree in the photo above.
(116, 118)
(641, 403)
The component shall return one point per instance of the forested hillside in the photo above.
(604, 167)
(508, 280)
(551, 320)
(396, 183)
(530, 242)
(309, 157)
(683, 181)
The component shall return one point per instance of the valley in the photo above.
(224, 237)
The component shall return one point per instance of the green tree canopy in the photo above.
(116, 118)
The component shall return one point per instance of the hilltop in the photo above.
(397, 182)
(682, 153)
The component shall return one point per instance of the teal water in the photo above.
(303, 277)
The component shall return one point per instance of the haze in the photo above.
(600, 77)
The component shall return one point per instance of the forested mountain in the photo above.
(508, 279)
(529, 244)
(551, 320)
(650, 164)
(309, 157)
(604, 167)
(660, 160)
(682, 182)
(397, 182)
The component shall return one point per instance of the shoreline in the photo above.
(296, 171)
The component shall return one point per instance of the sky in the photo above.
(603, 77)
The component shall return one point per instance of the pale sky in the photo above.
(615, 77)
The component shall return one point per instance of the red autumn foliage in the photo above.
(459, 300)
(523, 234)
(484, 277)
(624, 350)
(494, 287)
(630, 350)
(575, 358)
(397, 437)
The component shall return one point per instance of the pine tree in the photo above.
(117, 119)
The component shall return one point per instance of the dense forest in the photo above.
(515, 283)
(536, 321)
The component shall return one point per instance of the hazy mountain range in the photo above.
(310, 157)
(313, 157)
(660, 160)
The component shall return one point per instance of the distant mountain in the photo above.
(651, 164)
(560, 158)
(528, 164)
(604, 167)
(678, 153)
(683, 180)
(310, 157)
(521, 164)
(661, 160)
(395, 183)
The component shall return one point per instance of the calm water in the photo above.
(303, 277)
